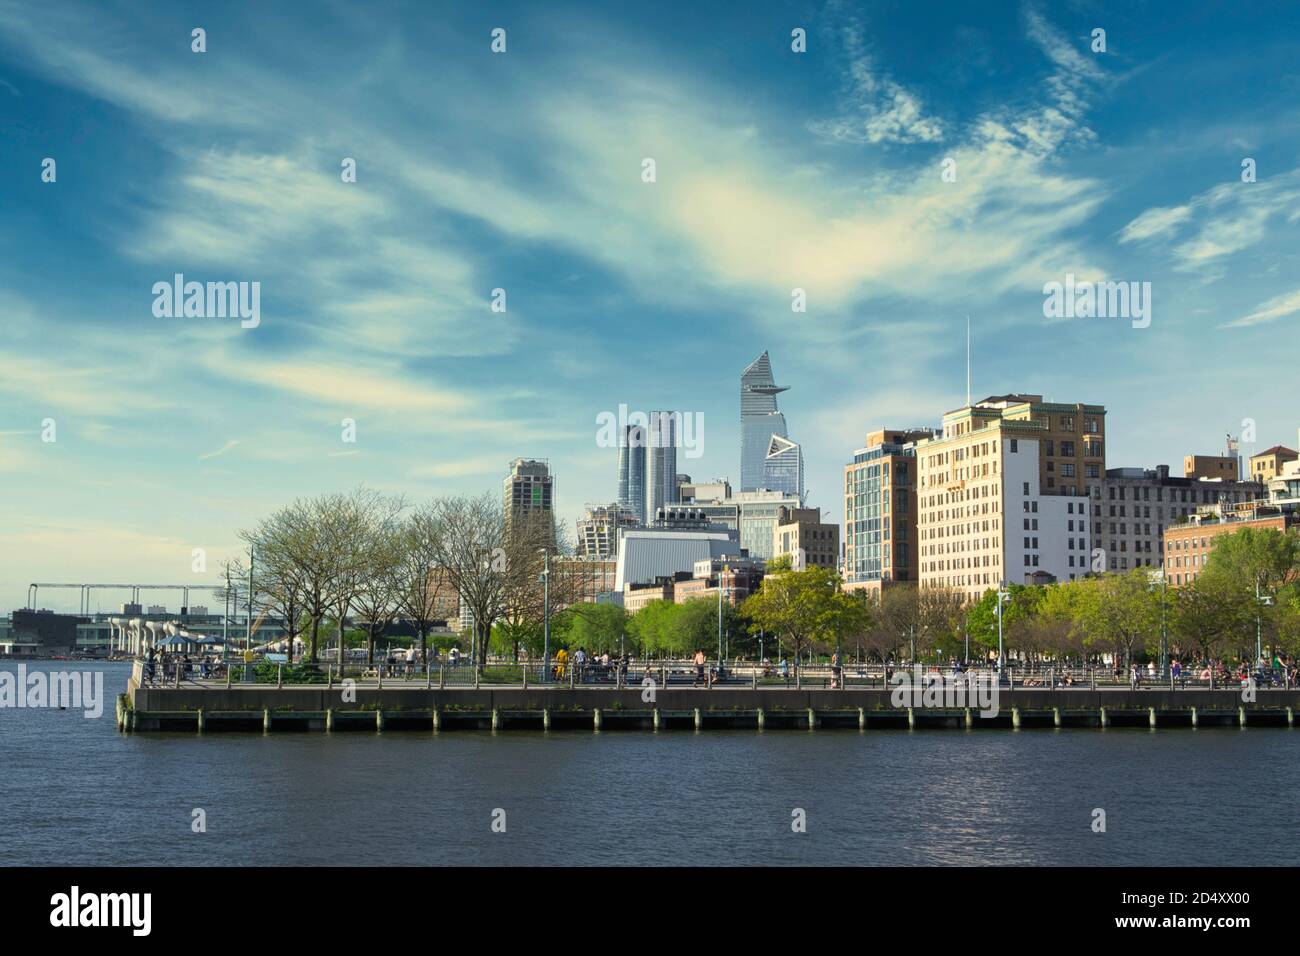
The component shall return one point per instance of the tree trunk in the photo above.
(484, 634)
(315, 632)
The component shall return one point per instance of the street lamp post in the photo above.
(721, 588)
(1164, 628)
(1261, 600)
(1003, 594)
(248, 639)
(546, 614)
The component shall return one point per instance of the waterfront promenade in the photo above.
(419, 704)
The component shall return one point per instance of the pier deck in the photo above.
(316, 707)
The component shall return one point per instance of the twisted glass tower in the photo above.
(759, 420)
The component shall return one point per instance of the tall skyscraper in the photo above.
(661, 463)
(528, 489)
(759, 420)
(631, 470)
(783, 467)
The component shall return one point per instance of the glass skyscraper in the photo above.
(631, 470)
(661, 462)
(783, 467)
(759, 420)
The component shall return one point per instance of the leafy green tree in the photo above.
(982, 616)
(1120, 612)
(656, 628)
(800, 607)
(1247, 582)
(1204, 619)
(596, 627)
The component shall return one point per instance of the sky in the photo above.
(524, 171)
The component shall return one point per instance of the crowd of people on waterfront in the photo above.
(163, 665)
(581, 667)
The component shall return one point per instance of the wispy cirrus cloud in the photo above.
(228, 446)
(1278, 307)
(1221, 221)
(874, 108)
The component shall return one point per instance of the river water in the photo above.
(73, 791)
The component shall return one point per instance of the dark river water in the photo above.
(74, 791)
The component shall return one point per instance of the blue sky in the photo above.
(774, 170)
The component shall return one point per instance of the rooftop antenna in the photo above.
(968, 361)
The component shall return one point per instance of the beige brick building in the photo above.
(1003, 493)
(801, 532)
(1211, 466)
(1268, 464)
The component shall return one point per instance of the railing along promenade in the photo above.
(676, 693)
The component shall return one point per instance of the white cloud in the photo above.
(1275, 308)
(1221, 221)
(220, 451)
(1157, 221)
(876, 108)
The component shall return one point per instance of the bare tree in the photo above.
(350, 525)
(529, 539)
(421, 578)
(940, 611)
(293, 567)
(897, 621)
(278, 578)
(472, 550)
(381, 582)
